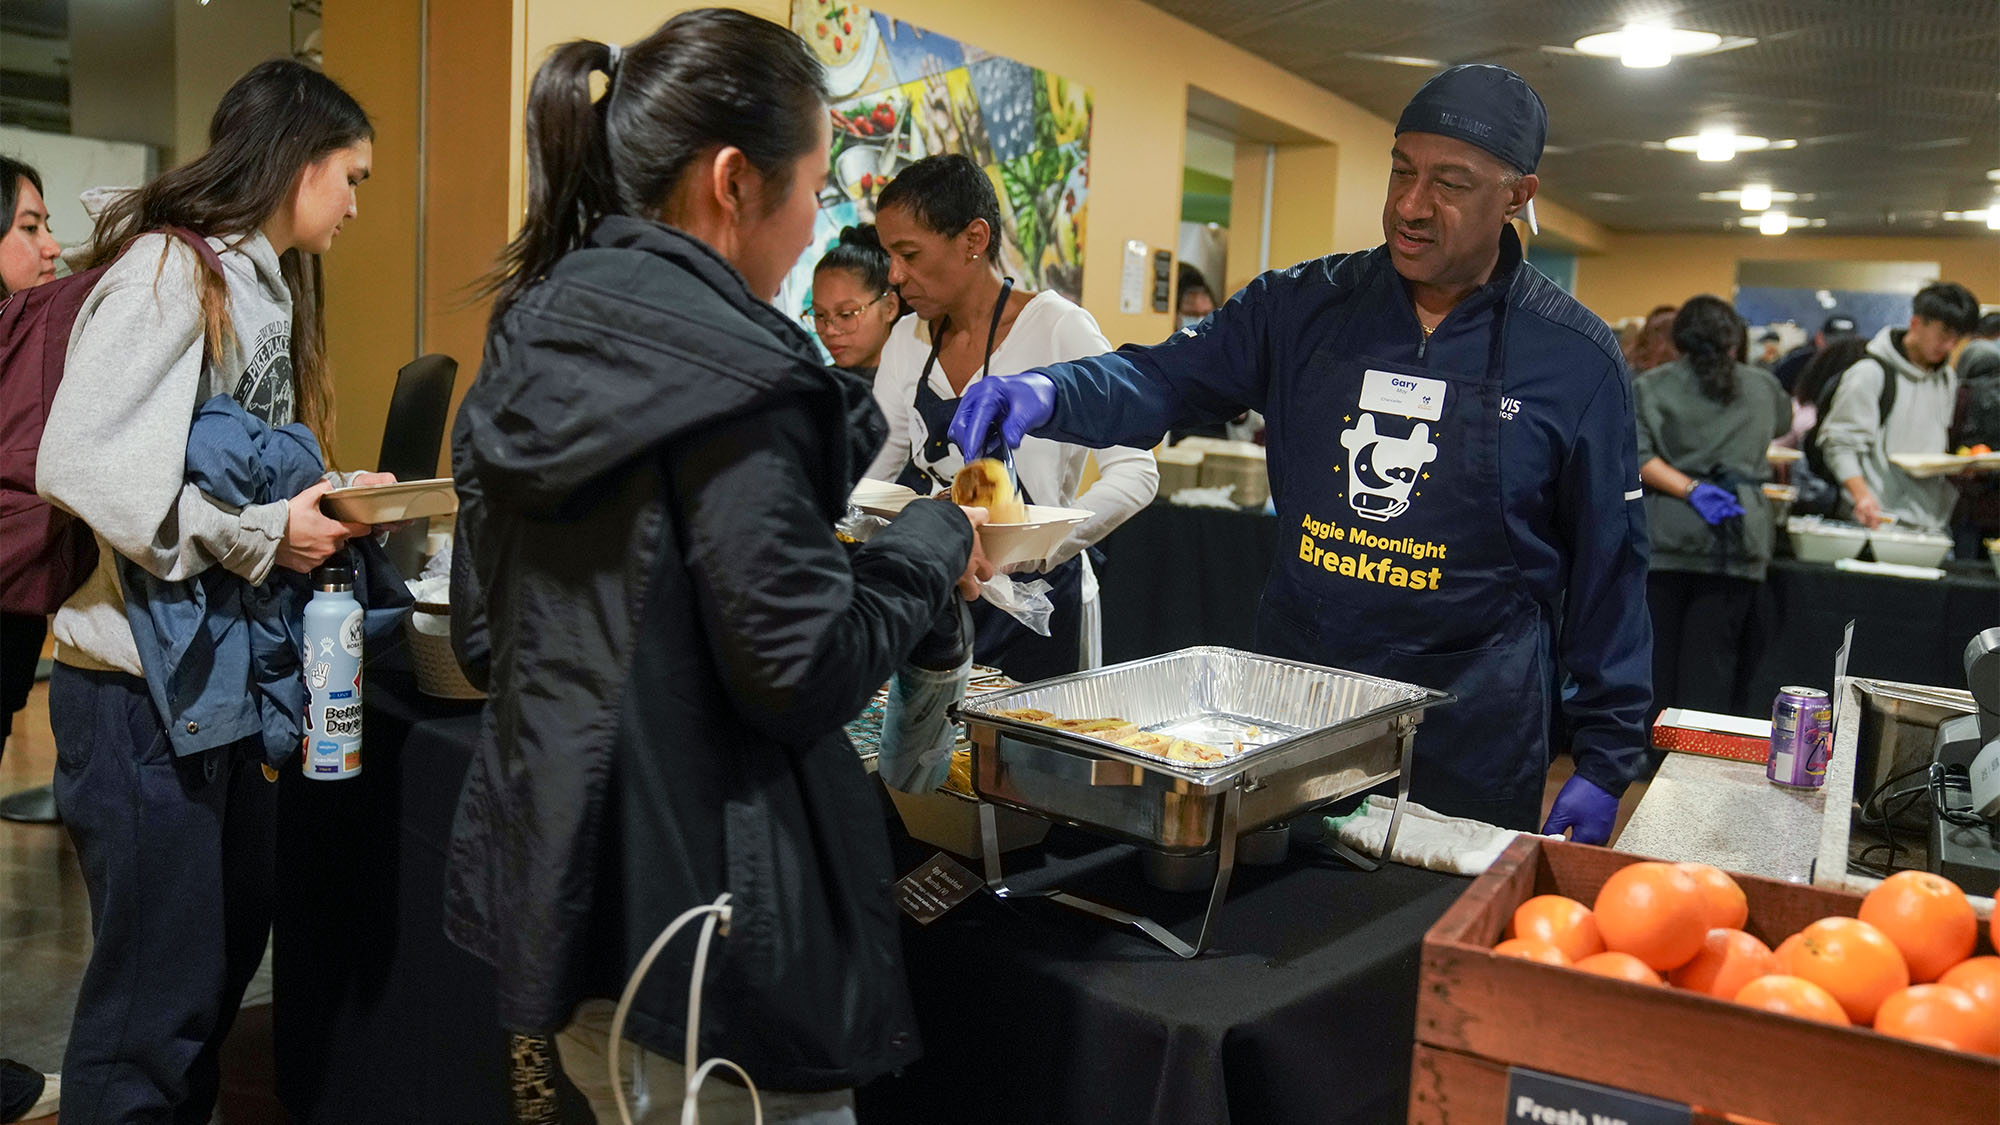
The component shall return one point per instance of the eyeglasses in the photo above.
(842, 321)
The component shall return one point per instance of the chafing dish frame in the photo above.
(1258, 773)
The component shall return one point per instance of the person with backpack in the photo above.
(1704, 421)
(211, 295)
(1899, 398)
(649, 469)
(28, 255)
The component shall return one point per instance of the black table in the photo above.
(1303, 1010)
(377, 1016)
(1190, 576)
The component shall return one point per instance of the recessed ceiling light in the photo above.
(1716, 145)
(1644, 46)
(1396, 60)
(1755, 197)
(1990, 216)
(1993, 174)
(1745, 199)
(1778, 222)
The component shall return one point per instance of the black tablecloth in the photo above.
(377, 1017)
(1189, 576)
(1030, 1012)
(1303, 1010)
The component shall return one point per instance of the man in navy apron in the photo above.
(1452, 452)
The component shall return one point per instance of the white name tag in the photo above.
(1412, 396)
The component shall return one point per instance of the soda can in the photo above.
(1801, 737)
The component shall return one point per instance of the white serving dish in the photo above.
(1909, 548)
(880, 497)
(392, 503)
(1038, 538)
(1817, 540)
(1005, 543)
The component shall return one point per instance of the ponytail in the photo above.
(569, 170)
(708, 78)
(1707, 331)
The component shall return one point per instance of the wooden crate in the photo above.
(1479, 1013)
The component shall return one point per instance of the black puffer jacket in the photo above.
(649, 468)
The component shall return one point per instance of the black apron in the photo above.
(999, 641)
(1396, 561)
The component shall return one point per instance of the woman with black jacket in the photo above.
(649, 468)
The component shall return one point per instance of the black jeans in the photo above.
(177, 857)
(1699, 638)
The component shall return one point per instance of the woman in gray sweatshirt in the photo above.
(175, 841)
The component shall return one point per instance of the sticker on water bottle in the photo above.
(350, 634)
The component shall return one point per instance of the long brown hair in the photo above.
(711, 76)
(276, 121)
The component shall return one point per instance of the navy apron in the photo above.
(999, 641)
(1394, 561)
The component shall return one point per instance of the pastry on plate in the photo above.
(985, 483)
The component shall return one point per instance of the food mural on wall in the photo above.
(901, 93)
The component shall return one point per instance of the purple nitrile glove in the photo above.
(1714, 503)
(1587, 811)
(1019, 403)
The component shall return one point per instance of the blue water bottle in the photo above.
(332, 663)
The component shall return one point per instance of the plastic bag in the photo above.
(1027, 602)
(857, 526)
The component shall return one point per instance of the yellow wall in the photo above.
(1138, 62)
(1638, 271)
(371, 50)
(473, 112)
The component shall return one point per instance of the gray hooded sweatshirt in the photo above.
(1858, 441)
(115, 450)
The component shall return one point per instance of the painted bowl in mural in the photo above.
(848, 55)
(862, 169)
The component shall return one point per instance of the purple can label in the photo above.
(1801, 737)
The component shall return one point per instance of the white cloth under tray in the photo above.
(1425, 838)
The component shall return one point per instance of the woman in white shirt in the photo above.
(940, 221)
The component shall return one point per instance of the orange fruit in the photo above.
(1853, 960)
(1727, 908)
(1782, 955)
(1938, 1012)
(1927, 917)
(1620, 966)
(1729, 959)
(1792, 996)
(1654, 911)
(1562, 922)
(1979, 978)
(1531, 949)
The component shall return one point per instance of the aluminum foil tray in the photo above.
(1312, 735)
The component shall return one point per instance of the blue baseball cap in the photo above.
(1487, 106)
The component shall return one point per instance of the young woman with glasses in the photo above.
(853, 307)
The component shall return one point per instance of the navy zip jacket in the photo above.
(1572, 548)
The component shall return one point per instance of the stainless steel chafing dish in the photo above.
(1310, 736)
